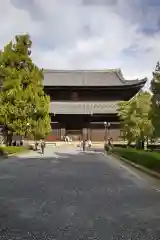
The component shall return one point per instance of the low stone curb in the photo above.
(143, 169)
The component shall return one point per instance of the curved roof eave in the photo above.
(136, 82)
(130, 82)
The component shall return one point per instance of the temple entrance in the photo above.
(74, 125)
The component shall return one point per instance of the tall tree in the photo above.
(155, 88)
(24, 105)
(135, 116)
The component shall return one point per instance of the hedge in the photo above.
(150, 160)
(6, 150)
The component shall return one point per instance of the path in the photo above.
(69, 195)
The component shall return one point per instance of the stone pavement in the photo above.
(70, 195)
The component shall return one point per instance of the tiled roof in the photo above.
(84, 107)
(112, 77)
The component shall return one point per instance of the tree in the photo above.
(135, 116)
(125, 112)
(24, 105)
(155, 88)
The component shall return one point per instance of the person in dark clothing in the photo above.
(43, 144)
(84, 145)
(36, 145)
(109, 142)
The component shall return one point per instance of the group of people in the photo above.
(42, 145)
(85, 144)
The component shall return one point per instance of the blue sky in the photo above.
(86, 34)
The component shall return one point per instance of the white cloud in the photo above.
(75, 34)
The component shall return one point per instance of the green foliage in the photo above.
(155, 84)
(155, 88)
(10, 150)
(125, 111)
(24, 105)
(150, 160)
(135, 116)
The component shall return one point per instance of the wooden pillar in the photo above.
(62, 132)
(85, 133)
(89, 131)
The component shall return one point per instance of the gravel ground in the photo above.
(69, 195)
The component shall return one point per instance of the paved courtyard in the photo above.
(70, 195)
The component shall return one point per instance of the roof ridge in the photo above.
(90, 77)
(115, 70)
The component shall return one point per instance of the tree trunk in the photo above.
(142, 144)
(138, 144)
(9, 138)
(129, 143)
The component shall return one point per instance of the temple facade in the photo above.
(85, 102)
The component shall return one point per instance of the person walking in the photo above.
(83, 145)
(36, 145)
(43, 144)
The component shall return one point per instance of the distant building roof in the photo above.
(111, 77)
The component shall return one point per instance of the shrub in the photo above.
(11, 149)
(2, 151)
(149, 160)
